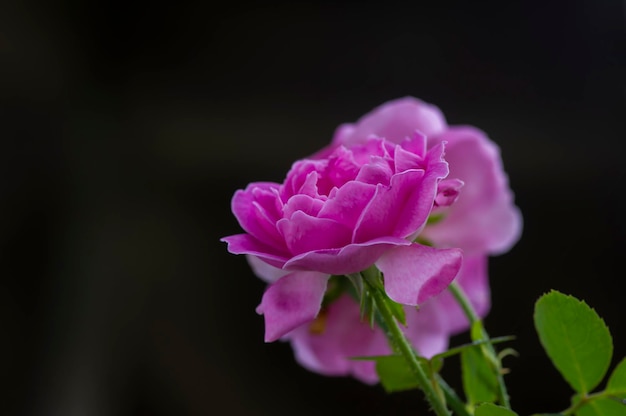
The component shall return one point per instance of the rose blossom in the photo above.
(340, 214)
(482, 221)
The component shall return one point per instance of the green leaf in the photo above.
(489, 409)
(617, 382)
(395, 374)
(575, 338)
(368, 308)
(397, 310)
(433, 365)
(479, 380)
(477, 331)
(460, 348)
(602, 407)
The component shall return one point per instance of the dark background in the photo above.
(126, 127)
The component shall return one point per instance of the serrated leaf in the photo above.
(602, 407)
(490, 409)
(479, 381)
(575, 338)
(617, 381)
(395, 374)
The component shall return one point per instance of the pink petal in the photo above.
(341, 168)
(427, 329)
(293, 300)
(304, 203)
(265, 271)
(352, 258)
(304, 233)
(473, 279)
(375, 172)
(394, 120)
(399, 209)
(410, 197)
(448, 192)
(405, 160)
(253, 208)
(416, 144)
(348, 203)
(301, 178)
(484, 217)
(246, 244)
(327, 346)
(415, 273)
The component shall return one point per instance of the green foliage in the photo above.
(575, 338)
(457, 350)
(479, 380)
(489, 409)
(397, 310)
(395, 374)
(616, 386)
(602, 407)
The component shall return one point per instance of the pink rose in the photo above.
(327, 345)
(340, 214)
(482, 221)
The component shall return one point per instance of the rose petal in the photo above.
(427, 329)
(375, 172)
(253, 208)
(304, 233)
(328, 345)
(405, 160)
(484, 217)
(301, 178)
(348, 202)
(267, 272)
(394, 120)
(448, 192)
(291, 301)
(473, 279)
(349, 259)
(246, 244)
(415, 273)
(304, 203)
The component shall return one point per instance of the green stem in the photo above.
(402, 346)
(455, 402)
(468, 309)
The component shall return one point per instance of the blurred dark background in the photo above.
(126, 128)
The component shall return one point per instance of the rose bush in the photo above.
(353, 207)
(483, 221)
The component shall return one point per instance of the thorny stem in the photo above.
(455, 402)
(403, 347)
(468, 309)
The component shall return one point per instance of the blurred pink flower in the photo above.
(327, 345)
(482, 221)
(340, 214)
